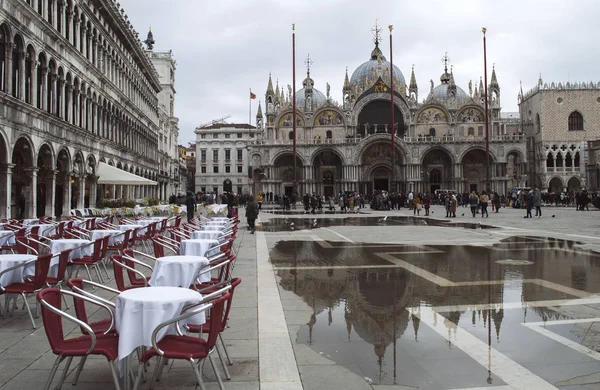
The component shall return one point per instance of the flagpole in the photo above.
(487, 138)
(393, 183)
(250, 107)
(294, 102)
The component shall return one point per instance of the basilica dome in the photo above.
(441, 91)
(371, 68)
(318, 96)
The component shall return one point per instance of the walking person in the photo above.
(416, 205)
(483, 201)
(190, 203)
(529, 203)
(537, 202)
(251, 213)
(426, 204)
(453, 205)
(473, 202)
(260, 200)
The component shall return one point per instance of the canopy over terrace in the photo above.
(111, 175)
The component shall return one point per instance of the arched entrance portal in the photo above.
(375, 118)
(573, 184)
(22, 194)
(555, 185)
(381, 178)
(45, 186)
(327, 167)
(473, 165)
(437, 168)
(284, 173)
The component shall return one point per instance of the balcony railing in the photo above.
(418, 139)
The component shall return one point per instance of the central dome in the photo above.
(441, 93)
(317, 96)
(370, 68)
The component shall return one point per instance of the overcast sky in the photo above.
(225, 47)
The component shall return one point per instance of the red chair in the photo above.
(192, 349)
(136, 278)
(28, 287)
(206, 327)
(90, 261)
(124, 244)
(103, 326)
(59, 231)
(63, 262)
(83, 346)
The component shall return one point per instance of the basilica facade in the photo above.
(439, 140)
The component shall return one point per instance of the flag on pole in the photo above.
(252, 96)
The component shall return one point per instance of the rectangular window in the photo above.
(203, 189)
(240, 169)
(227, 135)
(203, 155)
(203, 170)
(215, 189)
(215, 135)
(227, 154)
(203, 136)
(239, 189)
(239, 154)
(227, 168)
(480, 131)
(215, 169)
(215, 155)
(239, 135)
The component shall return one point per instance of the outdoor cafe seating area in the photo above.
(164, 289)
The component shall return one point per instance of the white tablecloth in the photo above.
(177, 271)
(7, 237)
(31, 221)
(141, 232)
(220, 219)
(216, 210)
(57, 246)
(209, 235)
(198, 248)
(117, 236)
(213, 227)
(140, 310)
(46, 230)
(15, 276)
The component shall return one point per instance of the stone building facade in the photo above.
(439, 142)
(77, 90)
(559, 120)
(222, 158)
(170, 178)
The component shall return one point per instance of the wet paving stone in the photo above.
(427, 315)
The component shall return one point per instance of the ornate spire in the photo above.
(376, 33)
(270, 86)
(540, 81)
(277, 95)
(481, 91)
(259, 113)
(445, 77)
(150, 40)
(494, 81)
(346, 81)
(308, 62)
(413, 80)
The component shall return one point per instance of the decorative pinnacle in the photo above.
(293, 27)
(376, 33)
(391, 27)
(483, 30)
(308, 63)
(446, 61)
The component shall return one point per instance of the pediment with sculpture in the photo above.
(328, 118)
(432, 115)
(471, 115)
(379, 152)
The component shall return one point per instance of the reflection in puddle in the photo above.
(365, 308)
(287, 224)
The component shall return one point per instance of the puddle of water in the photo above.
(292, 223)
(361, 302)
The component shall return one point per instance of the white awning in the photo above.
(111, 175)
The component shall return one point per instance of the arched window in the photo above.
(575, 121)
(538, 126)
(471, 132)
(550, 161)
(328, 134)
(432, 132)
(291, 135)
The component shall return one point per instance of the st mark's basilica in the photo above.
(439, 140)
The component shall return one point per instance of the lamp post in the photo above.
(487, 138)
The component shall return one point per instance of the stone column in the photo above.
(9, 68)
(69, 93)
(50, 193)
(5, 195)
(81, 198)
(93, 184)
(31, 195)
(33, 87)
(66, 206)
(21, 80)
(44, 91)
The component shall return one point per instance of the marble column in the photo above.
(31, 194)
(5, 194)
(8, 52)
(21, 79)
(50, 193)
(66, 206)
(81, 189)
(93, 184)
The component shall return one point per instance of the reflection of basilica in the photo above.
(346, 146)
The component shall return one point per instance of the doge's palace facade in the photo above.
(76, 90)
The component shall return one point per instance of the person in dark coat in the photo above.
(251, 212)
(190, 203)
